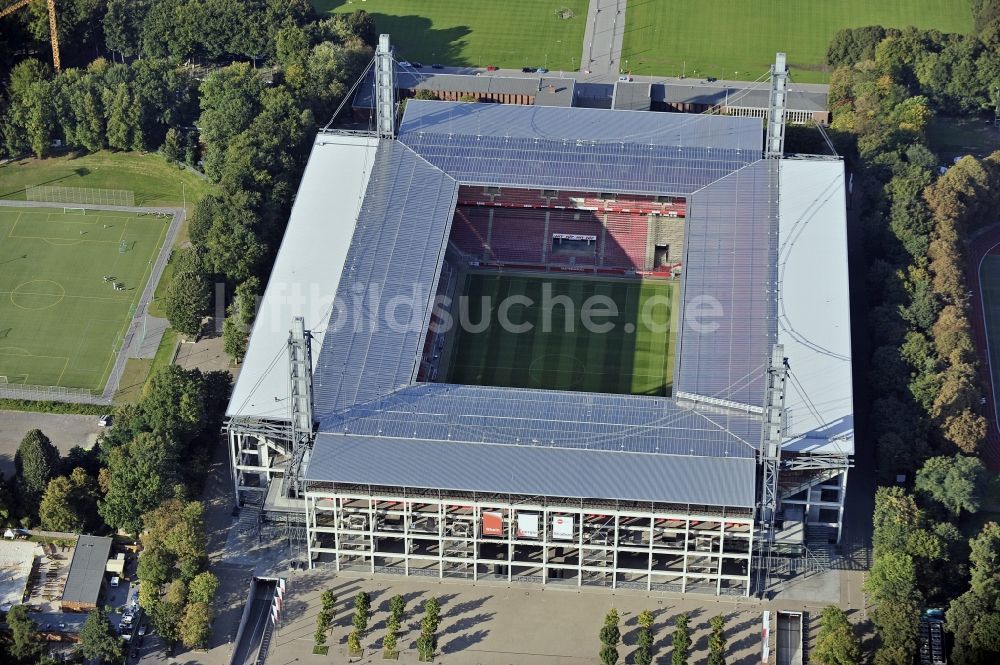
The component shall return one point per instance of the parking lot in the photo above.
(65, 431)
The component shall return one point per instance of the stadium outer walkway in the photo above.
(987, 242)
(111, 387)
(602, 40)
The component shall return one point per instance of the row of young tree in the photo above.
(681, 642)
(924, 375)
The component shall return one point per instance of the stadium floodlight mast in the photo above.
(385, 89)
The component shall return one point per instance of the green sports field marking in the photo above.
(634, 356)
(86, 327)
(738, 40)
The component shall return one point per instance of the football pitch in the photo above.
(630, 352)
(738, 40)
(513, 33)
(62, 319)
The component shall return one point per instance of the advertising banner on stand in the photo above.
(765, 638)
(492, 523)
(527, 525)
(562, 527)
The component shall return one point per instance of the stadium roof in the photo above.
(389, 248)
(307, 271)
(814, 318)
(533, 470)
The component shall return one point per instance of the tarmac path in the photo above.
(986, 243)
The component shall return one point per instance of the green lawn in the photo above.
(634, 356)
(512, 33)
(61, 323)
(154, 181)
(738, 40)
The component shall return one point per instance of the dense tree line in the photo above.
(105, 105)
(958, 73)
(924, 374)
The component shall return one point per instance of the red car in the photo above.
(492, 68)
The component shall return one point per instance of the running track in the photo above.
(987, 242)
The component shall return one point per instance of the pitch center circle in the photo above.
(38, 294)
(537, 370)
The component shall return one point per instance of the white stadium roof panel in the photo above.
(814, 318)
(307, 271)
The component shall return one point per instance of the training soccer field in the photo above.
(634, 356)
(513, 33)
(61, 322)
(738, 40)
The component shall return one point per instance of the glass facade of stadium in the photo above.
(533, 540)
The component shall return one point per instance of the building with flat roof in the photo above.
(86, 574)
(17, 559)
(803, 106)
(521, 476)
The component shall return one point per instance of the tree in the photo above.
(68, 503)
(836, 644)
(362, 614)
(241, 313)
(196, 625)
(397, 612)
(37, 462)
(97, 638)
(717, 641)
(958, 483)
(175, 403)
(610, 637)
(27, 643)
(681, 640)
(178, 528)
(427, 642)
(644, 642)
(230, 100)
(141, 475)
(187, 299)
(202, 588)
(167, 614)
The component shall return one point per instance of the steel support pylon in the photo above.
(385, 89)
(774, 146)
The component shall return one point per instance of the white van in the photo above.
(114, 582)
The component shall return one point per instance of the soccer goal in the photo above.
(74, 211)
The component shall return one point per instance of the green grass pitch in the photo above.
(512, 33)
(61, 323)
(739, 39)
(635, 356)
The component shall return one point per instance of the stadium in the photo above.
(556, 346)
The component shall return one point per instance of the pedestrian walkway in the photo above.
(602, 40)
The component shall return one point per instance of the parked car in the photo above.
(528, 70)
(404, 63)
(491, 68)
(416, 65)
(437, 65)
(624, 78)
(712, 79)
(104, 421)
(542, 70)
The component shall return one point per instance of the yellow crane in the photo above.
(53, 32)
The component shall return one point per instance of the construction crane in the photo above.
(53, 31)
